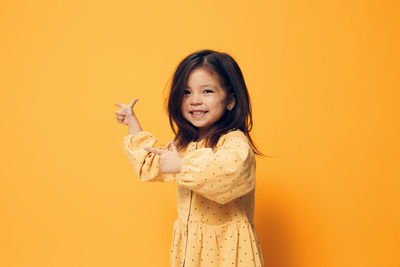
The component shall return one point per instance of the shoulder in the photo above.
(238, 134)
(232, 137)
(236, 141)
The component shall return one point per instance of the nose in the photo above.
(195, 100)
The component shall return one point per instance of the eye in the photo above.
(211, 91)
(186, 92)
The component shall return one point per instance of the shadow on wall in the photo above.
(275, 237)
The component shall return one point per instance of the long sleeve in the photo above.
(221, 176)
(145, 163)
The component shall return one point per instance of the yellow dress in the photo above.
(215, 199)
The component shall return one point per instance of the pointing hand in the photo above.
(126, 112)
(170, 161)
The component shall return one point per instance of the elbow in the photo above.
(235, 192)
(223, 201)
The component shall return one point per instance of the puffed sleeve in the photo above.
(146, 164)
(223, 175)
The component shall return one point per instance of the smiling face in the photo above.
(204, 100)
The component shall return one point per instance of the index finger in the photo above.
(154, 150)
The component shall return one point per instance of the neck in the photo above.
(202, 135)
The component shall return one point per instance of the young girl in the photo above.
(211, 159)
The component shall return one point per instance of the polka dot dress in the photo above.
(215, 200)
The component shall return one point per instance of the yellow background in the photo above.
(324, 81)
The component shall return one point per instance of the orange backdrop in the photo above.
(324, 82)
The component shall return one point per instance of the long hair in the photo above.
(231, 78)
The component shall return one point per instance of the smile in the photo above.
(198, 114)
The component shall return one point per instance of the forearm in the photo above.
(134, 125)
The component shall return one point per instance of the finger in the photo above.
(119, 105)
(148, 149)
(154, 150)
(133, 102)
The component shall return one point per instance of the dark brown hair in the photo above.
(231, 79)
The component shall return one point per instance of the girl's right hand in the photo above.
(126, 112)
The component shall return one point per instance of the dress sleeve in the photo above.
(146, 164)
(221, 176)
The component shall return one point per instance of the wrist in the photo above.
(130, 119)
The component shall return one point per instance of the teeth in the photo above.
(198, 114)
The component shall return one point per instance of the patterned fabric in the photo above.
(215, 199)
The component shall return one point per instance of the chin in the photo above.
(199, 125)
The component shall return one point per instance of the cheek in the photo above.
(222, 105)
(183, 106)
(215, 104)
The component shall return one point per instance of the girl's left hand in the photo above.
(170, 161)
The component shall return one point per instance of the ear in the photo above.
(231, 103)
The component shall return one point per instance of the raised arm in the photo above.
(145, 164)
(127, 116)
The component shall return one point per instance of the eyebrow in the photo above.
(205, 85)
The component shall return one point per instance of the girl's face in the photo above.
(204, 100)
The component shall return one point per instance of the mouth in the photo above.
(198, 114)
